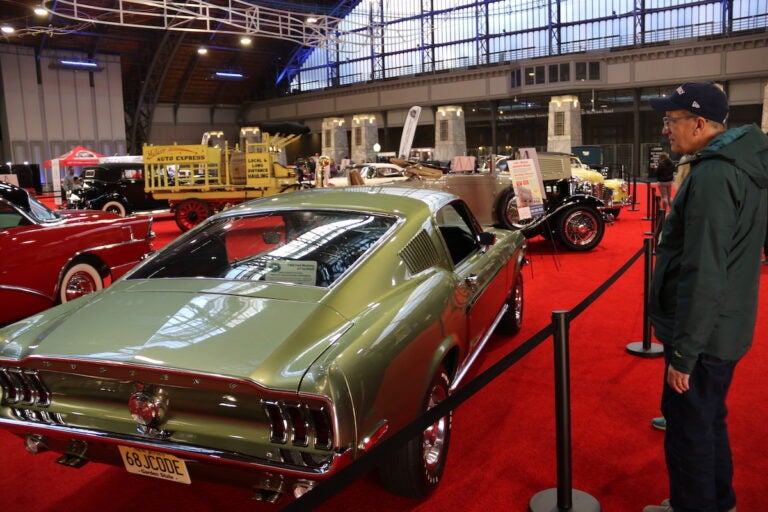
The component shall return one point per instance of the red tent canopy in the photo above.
(76, 157)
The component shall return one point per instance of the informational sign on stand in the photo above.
(529, 188)
(527, 183)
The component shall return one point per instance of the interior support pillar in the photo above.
(564, 124)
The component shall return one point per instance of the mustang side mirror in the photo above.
(486, 238)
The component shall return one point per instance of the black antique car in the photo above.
(114, 187)
(575, 219)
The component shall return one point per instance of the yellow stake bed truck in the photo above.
(199, 180)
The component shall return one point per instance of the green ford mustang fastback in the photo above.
(273, 344)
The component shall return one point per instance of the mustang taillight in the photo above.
(23, 387)
(299, 424)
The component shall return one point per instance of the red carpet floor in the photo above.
(503, 446)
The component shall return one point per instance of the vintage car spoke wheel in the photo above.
(115, 207)
(191, 212)
(512, 320)
(415, 469)
(79, 279)
(580, 228)
(507, 212)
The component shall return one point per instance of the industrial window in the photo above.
(534, 75)
(587, 71)
(358, 131)
(517, 79)
(559, 123)
(443, 127)
(327, 140)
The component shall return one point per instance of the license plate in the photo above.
(154, 464)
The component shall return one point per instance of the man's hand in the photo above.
(677, 380)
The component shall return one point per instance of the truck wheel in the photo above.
(115, 207)
(580, 228)
(191, 212)
(512, 320)
(415, 468)
(79, 279)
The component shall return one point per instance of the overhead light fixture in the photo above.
(311, 20)
(7, 29)
(202, 50)
(40, 10)
(76, 64)
(245, 40)
(229, 75)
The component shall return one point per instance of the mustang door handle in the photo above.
(472, 280)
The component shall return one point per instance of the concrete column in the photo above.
(764, 122)
(564, 127)
(450, 134)
(365, 133)
(334, 139)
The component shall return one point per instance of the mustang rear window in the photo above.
(303, 247)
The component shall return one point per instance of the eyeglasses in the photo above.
(669, 121)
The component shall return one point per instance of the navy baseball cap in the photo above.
(704, 99)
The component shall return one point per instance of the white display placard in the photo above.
(529, 189)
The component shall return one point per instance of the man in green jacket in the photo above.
(704, 293)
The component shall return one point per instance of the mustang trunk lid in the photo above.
(266, 339)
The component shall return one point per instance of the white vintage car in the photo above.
(371, 174)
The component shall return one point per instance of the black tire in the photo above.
(78, 280)
(191, 212)
(415, 469)
(115, 207)
(580, 228)
(512, 320)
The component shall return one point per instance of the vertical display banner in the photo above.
(527, 183)
(409, 130)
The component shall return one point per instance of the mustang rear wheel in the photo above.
(79, 279)
(115, 207)
(580, 228)
(512, 320)
(191, 212)
(415, 469)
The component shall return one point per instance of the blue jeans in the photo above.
(696, 443)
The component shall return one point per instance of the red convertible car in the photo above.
(49, 257)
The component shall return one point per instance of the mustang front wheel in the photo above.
(580, 228)
(79, 279)
(415, 469)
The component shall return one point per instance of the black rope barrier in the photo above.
(378, 454)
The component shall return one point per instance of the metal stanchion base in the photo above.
(636, 348)
(546, 501)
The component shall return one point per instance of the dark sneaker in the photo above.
(659, 423)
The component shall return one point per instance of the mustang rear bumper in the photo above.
(79, 446)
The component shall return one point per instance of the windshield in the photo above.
(313, 248)
(40, 212)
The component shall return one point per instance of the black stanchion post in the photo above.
(645, 348)
(634, 194)
(648, 201)
(564, 498)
